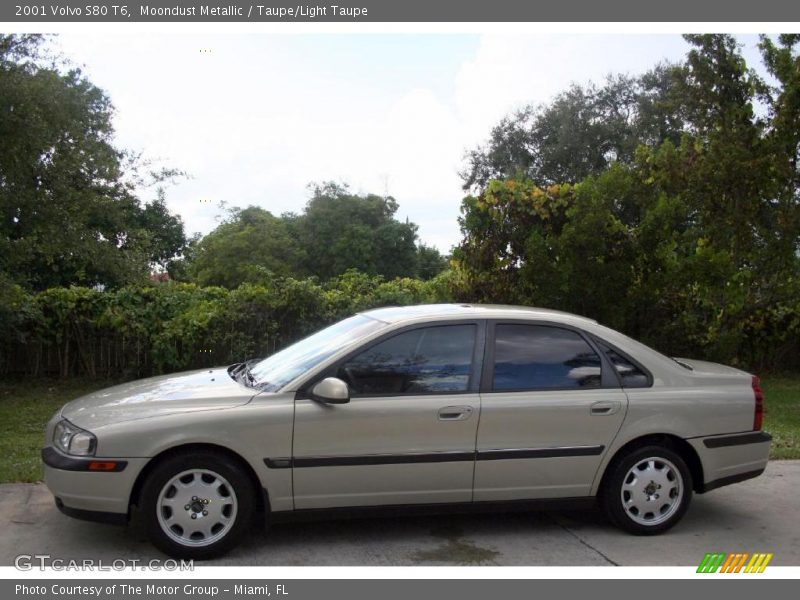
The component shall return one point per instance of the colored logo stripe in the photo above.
(758, 563)
(711, 562)
(734, 563)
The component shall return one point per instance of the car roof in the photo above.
(425, 312)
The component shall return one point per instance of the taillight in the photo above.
(758, 419)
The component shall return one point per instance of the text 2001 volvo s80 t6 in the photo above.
(423, 405)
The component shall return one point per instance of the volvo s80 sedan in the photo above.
(430, 406)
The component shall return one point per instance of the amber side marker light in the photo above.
(96, 465)
(758, 418)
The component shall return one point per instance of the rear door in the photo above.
(550, 407)
(407, 435)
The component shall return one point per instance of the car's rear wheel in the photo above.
(197, 505)
(648, 490)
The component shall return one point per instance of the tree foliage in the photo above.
(691, 242)
(135, 331)
(338, 231)
(341, 230)
(251, 245)
(581, 132)
(665, 205)
(68, 214)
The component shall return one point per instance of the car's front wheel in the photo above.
(197, 505)
(648, 490)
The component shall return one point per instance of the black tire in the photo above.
(240, 504)
(665, 511)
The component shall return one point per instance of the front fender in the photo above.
(254, 431)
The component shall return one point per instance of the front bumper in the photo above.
(79, 491)
(731, 458)
(92, 515)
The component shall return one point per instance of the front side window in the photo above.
(538, 357)
(421, 361)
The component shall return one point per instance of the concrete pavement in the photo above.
(760, 515)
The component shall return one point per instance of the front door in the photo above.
(408, 433)
(550, 409)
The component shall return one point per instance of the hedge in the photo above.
(139, 331)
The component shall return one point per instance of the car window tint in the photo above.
(537, 357)
(420, 361)
(274, 372)
(629, 373)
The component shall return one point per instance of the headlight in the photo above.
(73, 440)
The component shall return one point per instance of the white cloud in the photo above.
(260, 116)
(509, 71)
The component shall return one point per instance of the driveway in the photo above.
(760, 515)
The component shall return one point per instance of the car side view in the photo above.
(422, 406)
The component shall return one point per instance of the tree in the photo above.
(692, 244)
(581, 132)
(251, 245)
(783, 139)
(430, 261)
(68, 214)
(340, 230)
(163, 231)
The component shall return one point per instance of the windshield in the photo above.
(277, 370)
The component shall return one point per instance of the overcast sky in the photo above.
(255, 117)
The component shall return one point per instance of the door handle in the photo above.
(605, 408)
(455, 413)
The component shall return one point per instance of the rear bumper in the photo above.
(78, 491)
(737, 439)
(718, 483)
(731, 458)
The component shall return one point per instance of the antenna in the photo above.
(385, 179)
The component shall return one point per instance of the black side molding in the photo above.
(432, 457)
(52, 458)
(718, 483)
(756, 437)
(540, 452)
(92, 515)
(367, 459)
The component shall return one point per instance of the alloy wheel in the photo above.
(652, 491)
(197, 507)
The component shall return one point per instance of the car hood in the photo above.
(207, 389)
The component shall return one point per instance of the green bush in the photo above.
(139, 331)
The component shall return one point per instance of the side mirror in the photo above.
(331, 390)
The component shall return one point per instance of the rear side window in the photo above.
(538, 357)
(630, 375)
(421, 361)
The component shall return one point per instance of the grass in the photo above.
(26, 406)
(782, 415)
(25, 409)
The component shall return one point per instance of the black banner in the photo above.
(341, 589)
(254, 11)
